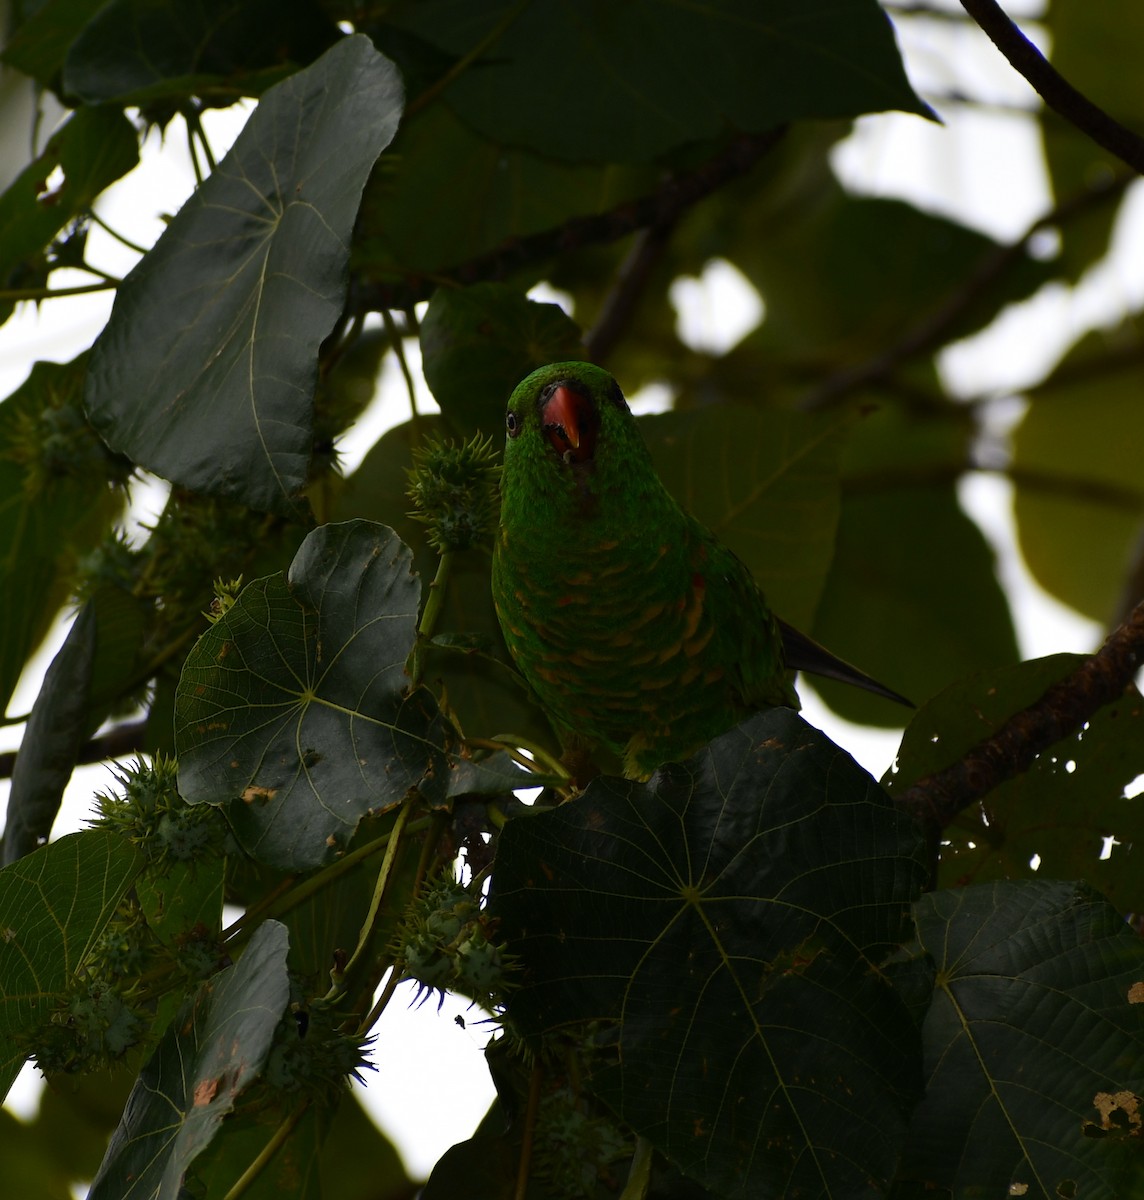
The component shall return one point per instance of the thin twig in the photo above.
(1100, 679)
(1053, 88)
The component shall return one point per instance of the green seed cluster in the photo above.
(454, 492)
(449, 944)
(148, 810)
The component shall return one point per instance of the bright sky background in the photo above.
(981, 168)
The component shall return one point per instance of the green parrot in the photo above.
(636, 627)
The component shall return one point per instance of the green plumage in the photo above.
(636, 627)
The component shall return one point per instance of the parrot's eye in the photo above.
(512, 424)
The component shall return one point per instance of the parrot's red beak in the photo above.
(569, 420)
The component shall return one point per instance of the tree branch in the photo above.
(1053, 88)
(931, 330)
(936, 799)
(623, 299)
(658, 210)
(128, 738)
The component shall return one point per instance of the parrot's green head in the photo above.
(571, 437)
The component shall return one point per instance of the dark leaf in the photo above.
(912, 598)
(206, 370)
(52, 738)
(54, 499)
(734, 915)
(295, 704)
(212, 1051)
(137, 51)
(766, 483)
(39, 43)
(626, 83)
(95, 662)
(478, 343)
(54, 904)
(1034, 1045)
(458, 195)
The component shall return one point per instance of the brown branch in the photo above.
(658, 210)
(1053, 88)
(623, 299)
(128, 738)
(931, 331)
(1103, 677)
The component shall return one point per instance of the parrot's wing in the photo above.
(801, 653)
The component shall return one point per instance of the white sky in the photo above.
(983, 169)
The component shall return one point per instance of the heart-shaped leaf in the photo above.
(295, 704)
(1034, 1045)
(734, 915)
(206, 370)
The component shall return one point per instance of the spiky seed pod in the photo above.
(447, 943)
(453, 488)
(148, 810)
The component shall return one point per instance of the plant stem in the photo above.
(268, 1152)
(430, 614)
(119, 237)
(396, 340)
(276, 904)
(438, 821)
(47, 293)
(639, 1176)
(525, 1163)
(342, 984)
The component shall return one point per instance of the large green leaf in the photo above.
(55, 502)
(627, 82)
(733, 915)
(294, 708)
(766, 483)
(1034, 1046)
(1095, 48)
(911, 598)
(478, 343)
(137, 51)
(39, 43)
(1080, 501)
(54, 904)
(214, 1048)
(206, 370)
(1061, 809)
(851, 275)
(458, 195)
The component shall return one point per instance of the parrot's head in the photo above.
(570, 420)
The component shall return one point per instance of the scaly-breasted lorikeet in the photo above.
(635, 626)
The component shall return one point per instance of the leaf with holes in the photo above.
(1034, 1045)
(1068, 816)
(735, 916)
(212, 1050)
(206, 371)
(294, 708)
